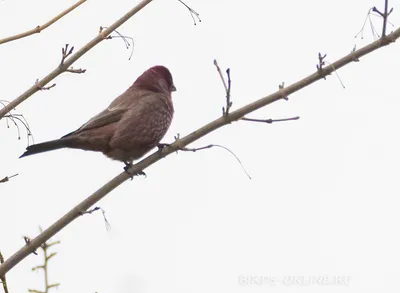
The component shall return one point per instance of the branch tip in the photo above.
(321, 64)
(270, 121)
(43, 88)
(7, 178)
(65, 53)
(225, 110)
(78, 71)
(193, 13)
(40, 28)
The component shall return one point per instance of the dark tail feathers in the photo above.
(45, 147)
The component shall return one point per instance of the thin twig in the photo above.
(106, 222)
(374, 32)
(7, 178)
(192, 12)
(363, 26)
(270, 121)
(321, 62)
(90, 211)
(73, 70)
(225, 110)
(220, 75)
(108, 226)
(387, 20)
(20, 118)
(337, 74)
(124, 38)
(39, 28)
(183, 142)
(368, 17)
(228, 92)
(65, 53)
(185, 149)
(45, 88)
(27, 242)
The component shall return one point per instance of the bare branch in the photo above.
(270, 121)
(192, 12)
(185, 149)
(44, 88)
(39, 28)
(183, 142)
(3, 279)
(321, 63)
(65, 53)
(337, 74)
(220, 75)
(225, 110)
(7, 178)
(228, 92)
(73, 70)
(68, 62)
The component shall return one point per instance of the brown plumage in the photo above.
(132, 125)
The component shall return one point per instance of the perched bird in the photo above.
(132, 125)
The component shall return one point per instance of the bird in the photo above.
(132, 125)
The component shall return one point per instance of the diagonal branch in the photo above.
(69, 61)
(39, 28)
(183, 142)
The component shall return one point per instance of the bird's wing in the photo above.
(108, 116)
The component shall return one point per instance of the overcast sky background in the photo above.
(323, 198)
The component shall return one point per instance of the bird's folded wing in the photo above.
(105, 117)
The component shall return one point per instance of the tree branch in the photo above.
(270, 121)
(3, 279)
(39, 28)
(68, 62)
(183, 142)
(7, 178)
(385, 16)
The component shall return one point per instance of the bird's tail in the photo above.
(45, 147)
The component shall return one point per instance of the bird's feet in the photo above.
(162, 146)
(126, 169)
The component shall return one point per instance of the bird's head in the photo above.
(157, 78)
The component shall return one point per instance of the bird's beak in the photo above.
(173, 88)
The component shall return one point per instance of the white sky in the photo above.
(323, 199)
